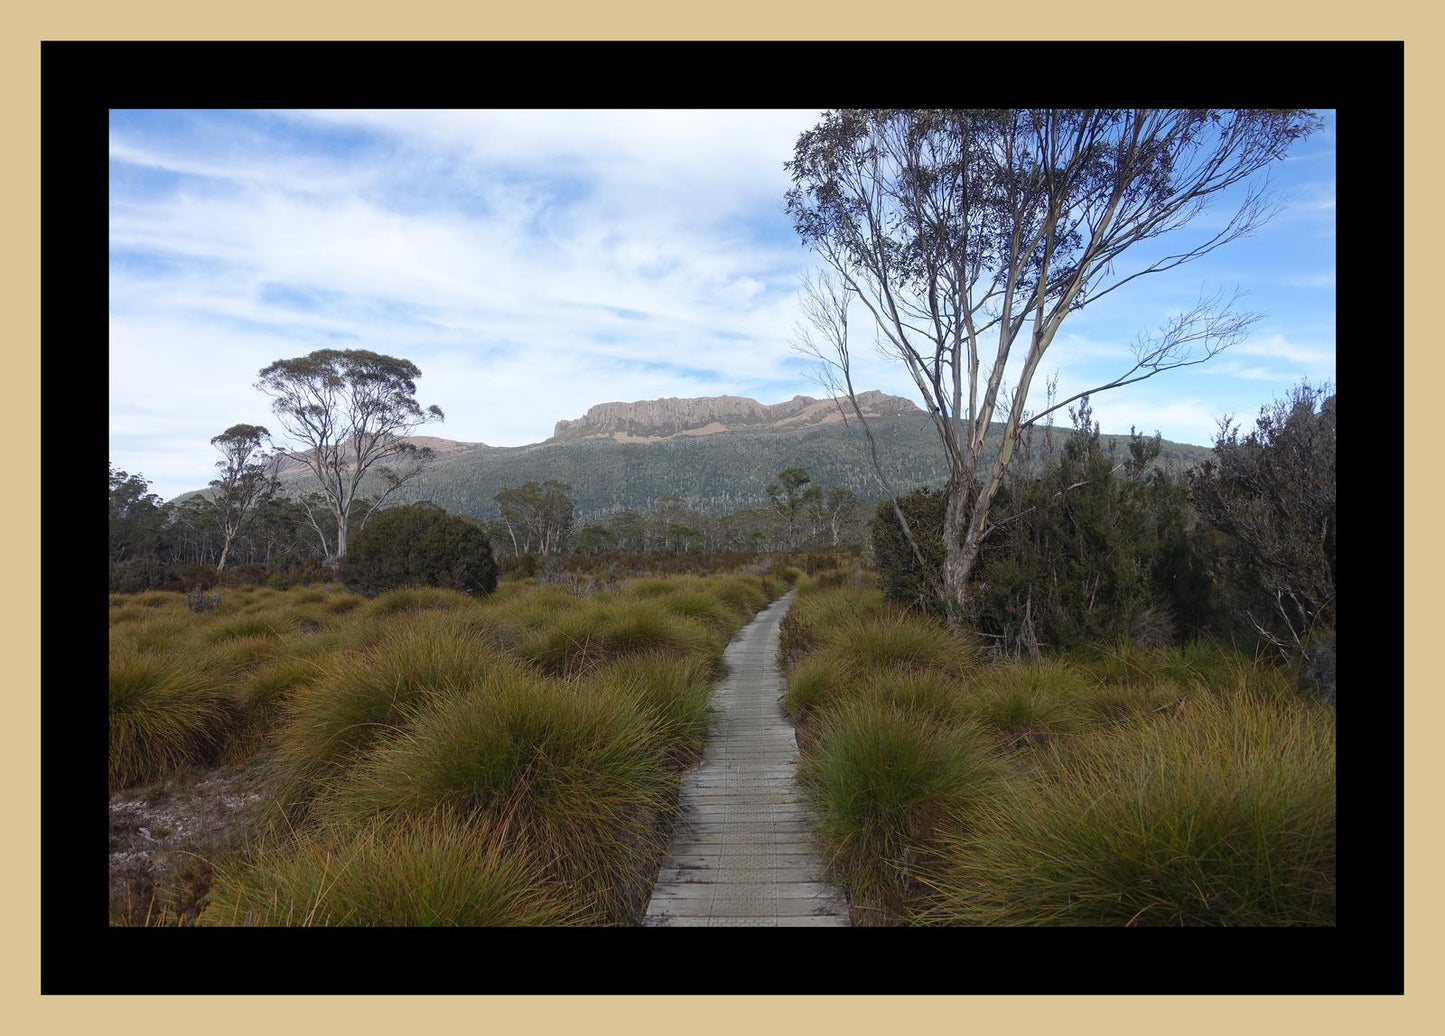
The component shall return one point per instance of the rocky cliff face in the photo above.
(653, 419)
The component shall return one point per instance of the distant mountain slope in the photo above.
(718, 454)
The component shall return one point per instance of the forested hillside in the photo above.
(714, 474)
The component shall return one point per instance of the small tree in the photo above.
(537, 516)
(352, 410)
(421, 545)
(966, 233)
(789, 498)
(248, 478)
(137, 519)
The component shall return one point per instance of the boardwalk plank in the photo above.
(743, 851)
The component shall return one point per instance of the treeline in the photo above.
(1092, 544)
(540, 519)
(178, 545)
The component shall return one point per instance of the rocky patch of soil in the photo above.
(165, 837)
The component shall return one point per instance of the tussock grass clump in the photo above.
(744, 595)
(652, 586)
(862, 651)
(266, 688)
(165, 710)
(152, 632)
(741, 595)
(160, 599)
(578, 779)
(1120, 702)
(530, 608)
(1026, 701)
(327, 641)
(884, 782)
(900, 640)
(814, 682)
(433, 871)
(344, 603)
(363, 697)
(926, 695)
(675, 694)
(127, 613)
(230, 657)
(705, 608)
(815, 614)
(243, 626)
(419, 598)
(1223, 814)
(607, 629)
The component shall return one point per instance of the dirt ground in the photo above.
(165, 836)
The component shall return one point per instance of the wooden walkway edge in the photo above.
(742, 852)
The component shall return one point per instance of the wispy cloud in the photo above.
(532, 264)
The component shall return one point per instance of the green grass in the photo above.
(431, 872)
(1027, 701)
(363, 697)
(604, 630)
(434, 759)
(578, 779)
(165, 710)
(1221, 815)
(815, 613)
(675, 695)
(865, 647)
(1177, 785)
(419, 598)
(885, 782)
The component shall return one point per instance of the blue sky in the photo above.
(534, 263)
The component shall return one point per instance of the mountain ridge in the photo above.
(717, 453)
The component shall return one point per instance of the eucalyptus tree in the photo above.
(541, 513)
(969, 236)
(351, 411)
(789, 498)
(248, 479)
(137, 516)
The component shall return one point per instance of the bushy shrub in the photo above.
(136, 575)
(245, 575)
(521, 566)
(420, 545)
(1272, 497)
(899, 576)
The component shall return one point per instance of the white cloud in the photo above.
(531, 263)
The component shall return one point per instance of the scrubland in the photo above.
(423, 757)
(1113, 786)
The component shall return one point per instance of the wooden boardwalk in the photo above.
(742, 853)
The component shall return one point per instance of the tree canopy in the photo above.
(350, 410)
(967, 233)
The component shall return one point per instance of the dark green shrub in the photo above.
(523, 566)
(1271, 497)
(899, 576)
(420, 545)
(137, 575)
(244, 575)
